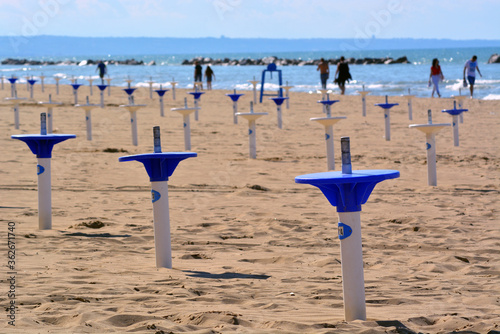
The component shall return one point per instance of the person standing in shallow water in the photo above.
(436, 76)
(471, 67)
(198, 70)
(209, 73)
(342, 74)
(101, 67)
(324, 72)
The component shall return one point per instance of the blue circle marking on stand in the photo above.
(159, 166)
(327, 136)
(347, 192)
(427, 146)
(250, 131)
(155, 195)
(39, 169)
(345, 231)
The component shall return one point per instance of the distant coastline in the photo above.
(218, 61)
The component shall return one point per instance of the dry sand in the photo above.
(248, 259)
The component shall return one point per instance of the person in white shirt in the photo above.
(471, 67)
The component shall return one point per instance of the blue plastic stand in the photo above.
(12, 80)
(32, 81)
(196, 95)
(161, 92)
(327, 105)
(159, 166)
(347, 191)
(271, 68)
(455, 113)
(278, 100)
(387, 116)
(102, 87)
(42, 145)
(129, 91)
(235, 97)
(75, 86)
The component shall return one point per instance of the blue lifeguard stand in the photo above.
(271, 68)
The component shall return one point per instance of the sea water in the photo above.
(393, 79)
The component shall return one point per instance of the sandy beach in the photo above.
(253, 252)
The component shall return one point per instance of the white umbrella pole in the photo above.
(88, 121)
(252, 139)
(44, 194)
(187, 133)
(387, 116)
(352, 265)
(410, 110)
(430, 139)
(196, 111)
(235, 110)
(163, 248)
(133, 123)
(49, 120)
(455, 130)
(280, 119)
(330, 153)
(162, 114)
(363, 99)
(16, 116)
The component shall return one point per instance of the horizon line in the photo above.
(222, 37)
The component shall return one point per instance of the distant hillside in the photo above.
(61, 46)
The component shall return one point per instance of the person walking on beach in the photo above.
(436, 76)
(342, 74)
(198, 70)
(471, 67)
(209, 73)
(101, 67)
(324, 72)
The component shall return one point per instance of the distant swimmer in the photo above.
(471, 67)
(324, 71)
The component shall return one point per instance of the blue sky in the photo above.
(454, 19)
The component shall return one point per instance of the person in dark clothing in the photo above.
(342, 75)
(101, 67)
(209, 73)
(198, 70)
